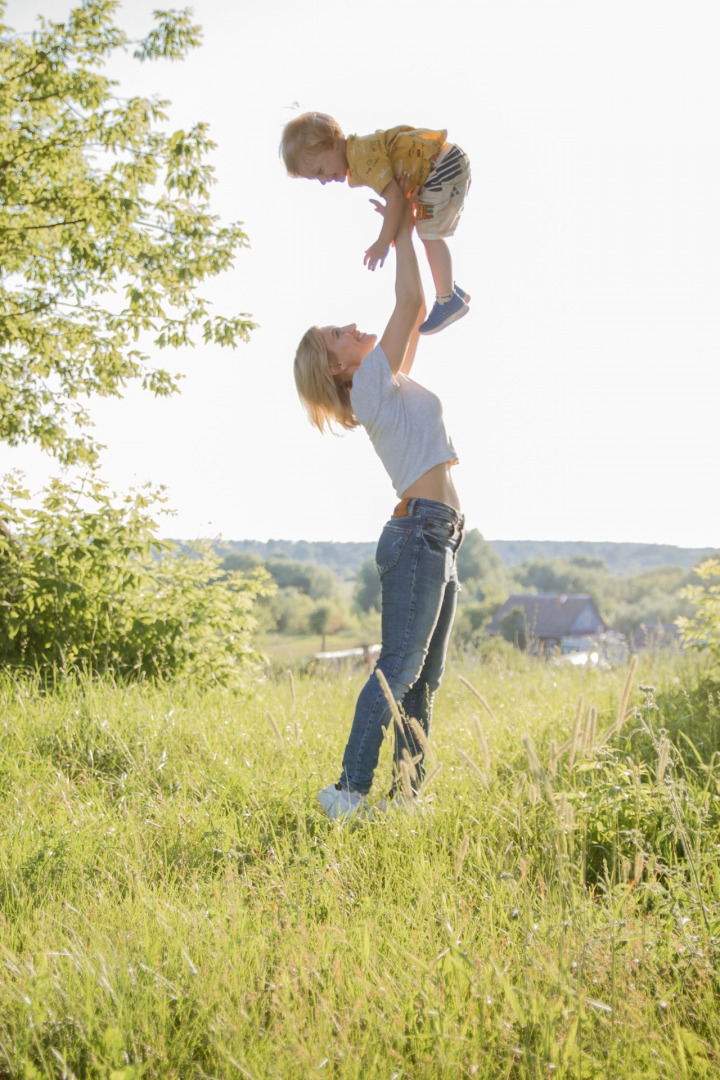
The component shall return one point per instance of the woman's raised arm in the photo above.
(400, 338)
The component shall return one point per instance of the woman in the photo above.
(343, 377)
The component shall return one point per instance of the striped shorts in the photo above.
(440, 201)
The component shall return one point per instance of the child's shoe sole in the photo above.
(435, 323)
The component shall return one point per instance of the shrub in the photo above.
(85, 585)
(702, 631)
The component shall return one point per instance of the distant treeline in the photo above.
(621, 559)
(345, 559)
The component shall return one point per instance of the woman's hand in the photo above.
(407, 188)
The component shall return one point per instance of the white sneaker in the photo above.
(339, 803)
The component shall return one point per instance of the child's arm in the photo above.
(394, 205)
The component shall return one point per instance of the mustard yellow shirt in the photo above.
(375, 160)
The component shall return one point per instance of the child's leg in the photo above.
(440, 263)
(439, 206)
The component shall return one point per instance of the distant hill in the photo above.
(622, 559)
(345, 559)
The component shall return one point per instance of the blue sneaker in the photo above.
(444, 314)
(465, 297)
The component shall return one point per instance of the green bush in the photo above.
(702, 631)
(85, 585)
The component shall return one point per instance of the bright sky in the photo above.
(582, 389)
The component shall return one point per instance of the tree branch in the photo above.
(52, 225)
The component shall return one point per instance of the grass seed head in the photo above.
(475, 767)
(405, 781)
(430, 777)
(482, 741)
(663, 758)
(461, 855)
(480, 698)
(419, 735)
(394, 708)
(410, 763)
(577, 731)
(276, 729)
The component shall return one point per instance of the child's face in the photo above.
(326, 166)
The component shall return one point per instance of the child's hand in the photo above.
(377, 252)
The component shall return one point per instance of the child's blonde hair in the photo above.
(326, 400)
(308, 134)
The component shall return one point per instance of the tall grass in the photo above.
(174, 904)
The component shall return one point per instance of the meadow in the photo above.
(173, 903)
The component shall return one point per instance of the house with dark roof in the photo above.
(549, 622)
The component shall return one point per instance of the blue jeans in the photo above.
(417, 561)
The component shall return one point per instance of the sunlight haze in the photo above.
(581, 391)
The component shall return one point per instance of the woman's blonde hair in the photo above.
(326, 399)
(308, 134)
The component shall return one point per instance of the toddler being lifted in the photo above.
(314, 147)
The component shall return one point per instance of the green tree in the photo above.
(305, 577)
(367, 591)
(106, 243)
(576, 575)
(320, 621)
(513, 627)
(477, 560)
(106, 235)
(702, 631)
(288, 611)
(485, 586)
(242, 560)
(656, 596)
(472, 616)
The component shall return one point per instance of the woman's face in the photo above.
(347, 348)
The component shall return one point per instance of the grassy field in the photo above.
(173, 903)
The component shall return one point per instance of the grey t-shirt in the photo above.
(403, 419)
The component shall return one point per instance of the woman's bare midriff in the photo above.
(435, 484)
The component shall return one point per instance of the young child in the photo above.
(314, 147)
